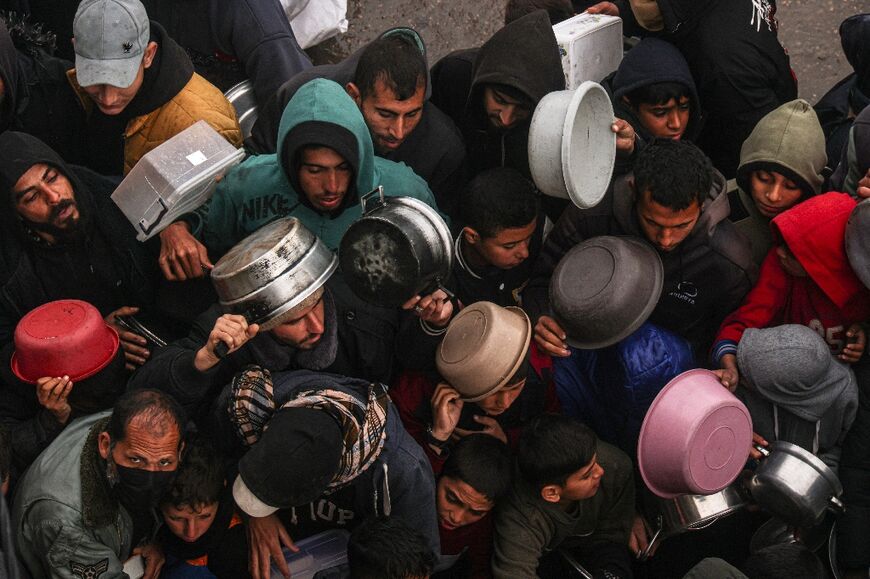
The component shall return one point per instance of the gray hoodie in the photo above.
(795, 390)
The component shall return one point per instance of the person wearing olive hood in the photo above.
(491, 92)
(781, 164)
(324, 164)
(795, 390)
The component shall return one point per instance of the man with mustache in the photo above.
(88, 503)
(62, 237)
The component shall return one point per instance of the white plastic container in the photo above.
(590, 45)
(316, 553)
(175, 178)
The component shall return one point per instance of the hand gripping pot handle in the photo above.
(764, 452)
(652, 542)
(221, 349)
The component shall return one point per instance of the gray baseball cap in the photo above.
(110, 41)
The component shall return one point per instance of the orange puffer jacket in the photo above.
(198, 100)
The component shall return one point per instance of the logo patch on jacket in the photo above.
(763, 11)
(89, 571)
(686, 292)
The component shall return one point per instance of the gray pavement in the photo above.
(808, 30)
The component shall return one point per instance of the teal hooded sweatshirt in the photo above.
(264, 188)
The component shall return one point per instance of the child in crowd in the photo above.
(202, 536)
(501, 237)
(805, 279)
(653, 90)
(475, 478)
(573, 493)
(781, 164)
(388, 549)
(437, 414)
(795, 390)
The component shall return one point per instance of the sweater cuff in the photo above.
(721, 348)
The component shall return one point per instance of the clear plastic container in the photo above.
(175, 178)
(316, 553)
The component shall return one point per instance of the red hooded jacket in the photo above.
(828, 300)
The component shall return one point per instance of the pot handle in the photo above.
(764, 451)
(649, 547)
(366, 200)
(836, 505)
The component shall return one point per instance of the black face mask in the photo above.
(139, 489)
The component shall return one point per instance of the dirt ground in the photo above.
(808, 30)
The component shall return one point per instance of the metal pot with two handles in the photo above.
(686, 513)
(795, 485)
(399, 248)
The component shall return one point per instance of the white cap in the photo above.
(248, 502)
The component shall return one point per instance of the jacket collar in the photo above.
(99, 507)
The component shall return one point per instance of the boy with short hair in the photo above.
(575, 493)
(202, 535)
(501, 238)
(654, 91)
(474, 479)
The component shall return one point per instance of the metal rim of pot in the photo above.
(732, 497)
(234, 281)
(807, 507)
(398, 212)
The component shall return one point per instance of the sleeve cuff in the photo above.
(722, 348)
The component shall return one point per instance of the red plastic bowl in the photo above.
(695, 437)
(63, 338)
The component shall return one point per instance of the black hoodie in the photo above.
(105, 265)
(524, 56)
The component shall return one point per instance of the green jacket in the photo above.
(261, 190)
(527, 526)
(66, 522)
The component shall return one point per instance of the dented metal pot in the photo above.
(399, 248)
(272, 271)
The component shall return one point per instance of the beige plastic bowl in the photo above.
(484, 346)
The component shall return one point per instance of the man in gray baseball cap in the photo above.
(137, 87)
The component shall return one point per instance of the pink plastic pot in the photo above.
(64, 337)
(695, 437)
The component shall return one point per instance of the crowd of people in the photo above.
(468, 433)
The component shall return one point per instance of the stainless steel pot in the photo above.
(795, 485)
(272, 271)
(241, 96)
(399, 248)
(691, 512)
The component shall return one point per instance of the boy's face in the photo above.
(581, 485)
(665, 228)
(188, 523)
(666, 121)
(789, 262)
(459, 504)
(506, 249)
(772, 192)
(499, 401)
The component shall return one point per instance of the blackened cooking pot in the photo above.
(399, 248)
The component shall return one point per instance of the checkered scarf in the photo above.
(363, 423)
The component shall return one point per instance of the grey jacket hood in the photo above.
(792, 366)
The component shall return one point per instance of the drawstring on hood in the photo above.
(788, 140)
